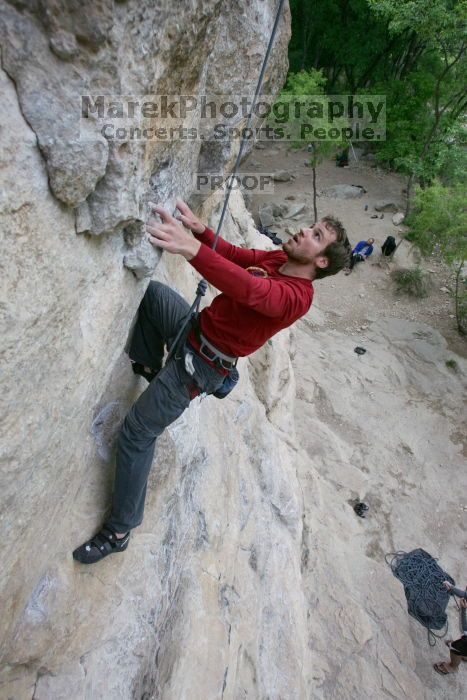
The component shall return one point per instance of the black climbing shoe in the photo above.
(103, 543)
(361, 509)
(139, 369)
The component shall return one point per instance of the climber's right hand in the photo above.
(187, 217)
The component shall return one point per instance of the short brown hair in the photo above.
(338, 253)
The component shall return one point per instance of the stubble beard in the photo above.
(295, 257)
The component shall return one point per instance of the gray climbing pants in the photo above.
(159, 318)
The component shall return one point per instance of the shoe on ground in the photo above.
(103, 543)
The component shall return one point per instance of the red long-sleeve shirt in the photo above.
(249, 309)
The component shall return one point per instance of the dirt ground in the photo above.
(352, 301)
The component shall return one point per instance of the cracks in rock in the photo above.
(202, 536)
(394, 677)
(280, 515)
(224, 600)
(253, 559)
(15, 85)
(305, 550)
(224, 683)
(208, 573)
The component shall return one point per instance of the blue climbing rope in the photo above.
(422, 579)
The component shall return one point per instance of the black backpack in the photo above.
(389, 245)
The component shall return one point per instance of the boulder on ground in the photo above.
(270, 211)
(281, 176)
(280, 210)
(343, 191)
(386, 205)
(296, 209)
(398, 218)
(266, 215)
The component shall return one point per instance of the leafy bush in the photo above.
(438, 224)
(452, 364)
(414, 282)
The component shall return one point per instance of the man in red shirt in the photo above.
(262, 292)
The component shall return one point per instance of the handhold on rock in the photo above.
(64, 45)
(359, 350)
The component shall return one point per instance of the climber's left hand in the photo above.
(170, 234)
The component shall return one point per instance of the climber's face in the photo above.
(308, 244)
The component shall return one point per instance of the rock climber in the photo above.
(262, 292)
(457, 648)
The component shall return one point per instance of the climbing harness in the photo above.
(232, 377)
(422, 579)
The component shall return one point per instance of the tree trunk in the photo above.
(315, 208)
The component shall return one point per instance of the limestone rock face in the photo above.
(76, 49)
(251, 576)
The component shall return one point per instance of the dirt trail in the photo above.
(351, 302)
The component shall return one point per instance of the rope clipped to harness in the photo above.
(194, 309)
(422, 579)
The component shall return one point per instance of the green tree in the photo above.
(351, 43)
(438, 223)
(310, 84)
(437, 87)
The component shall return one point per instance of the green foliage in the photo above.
(452, 364)
(438, 221)
(414, 282)
(414, 52)
(308, 84)
(436, 18)
(451, 164)
(461, 309)
(429, 103)
(305, 82)
(408, 119)
(346, 39)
